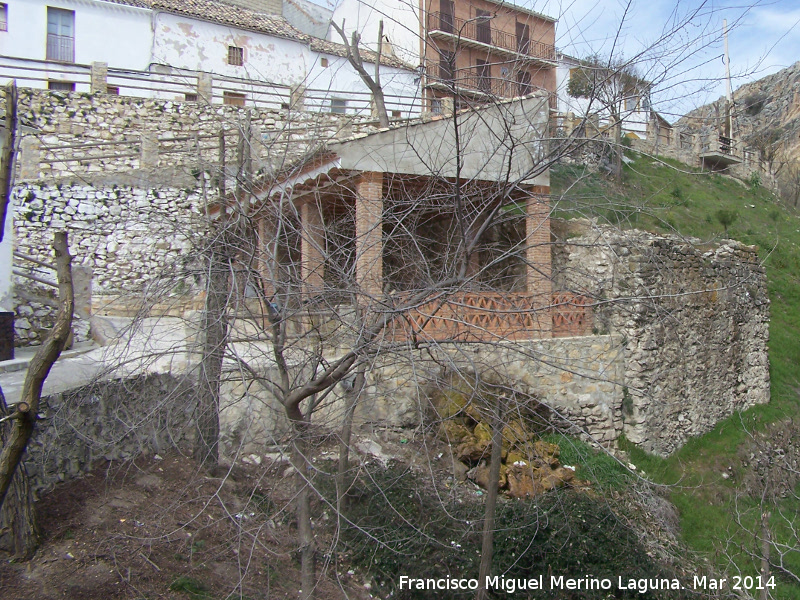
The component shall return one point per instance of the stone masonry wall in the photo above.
(119, 139)
(694, 319)
(130, 237)
(581, 378)
(117, 420)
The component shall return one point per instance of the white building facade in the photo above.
(174, 48)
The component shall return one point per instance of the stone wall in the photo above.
(131, 239)
(119, 139)
(117, 420)
(694, 319)
(580, 378)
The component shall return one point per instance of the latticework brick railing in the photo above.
(572, 314)
(493, 317)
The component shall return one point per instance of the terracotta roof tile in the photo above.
(242, 18)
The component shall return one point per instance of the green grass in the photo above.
(667, 196)
(594, 466)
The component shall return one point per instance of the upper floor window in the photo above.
(235, 56)
(483, 27)
(3, 17)
(523, 38)
(60, 34)
(61, 86)
(338, 106)
(446, 15)
(233, 98)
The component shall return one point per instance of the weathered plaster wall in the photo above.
(189, 43)
(694, 319)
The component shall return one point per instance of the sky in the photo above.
(687, 66)
(678, 44)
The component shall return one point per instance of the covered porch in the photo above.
(458, 248)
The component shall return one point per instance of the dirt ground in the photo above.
(156, 528)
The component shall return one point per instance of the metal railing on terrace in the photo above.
(191, 86)
(60, 48)
(481, 31)
(474, 81)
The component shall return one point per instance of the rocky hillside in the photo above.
(766, 115)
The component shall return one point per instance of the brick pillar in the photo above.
(538, 259)
(369, 233)
(205, 87)
(267, 267)
(312, 248)
(30, 157)
(99, 78)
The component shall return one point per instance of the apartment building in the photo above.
(466, 49)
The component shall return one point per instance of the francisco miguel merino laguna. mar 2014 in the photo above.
(556, 582)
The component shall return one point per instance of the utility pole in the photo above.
(729, 94)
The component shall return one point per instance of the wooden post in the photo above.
(7, 159)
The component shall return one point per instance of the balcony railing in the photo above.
(493, 316)
(60, 48)
(481, 31)
(474, 81)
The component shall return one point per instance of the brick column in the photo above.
(538, 257)
(267, 269)
(369, 233)
(99, 78)
(312, 247)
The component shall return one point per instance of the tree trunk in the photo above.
(215, 328)
(26, 412)
(342, 478)
(487, 545)
(19, 530)
(618, 151)
(305, 533)
(765, 552)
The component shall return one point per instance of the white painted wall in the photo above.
(400, 86)
(104, 31)
(401, 24)
(140, 40)
(189, 43)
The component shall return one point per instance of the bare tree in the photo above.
(373, 82)
(23, 417)
(610, 86)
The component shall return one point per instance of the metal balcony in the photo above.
(60, 48)
(479, 34)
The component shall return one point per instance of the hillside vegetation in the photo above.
(726, 472)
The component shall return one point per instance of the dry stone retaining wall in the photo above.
(130, 237)
(694, 319)
(122, 139)
(118, 420)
